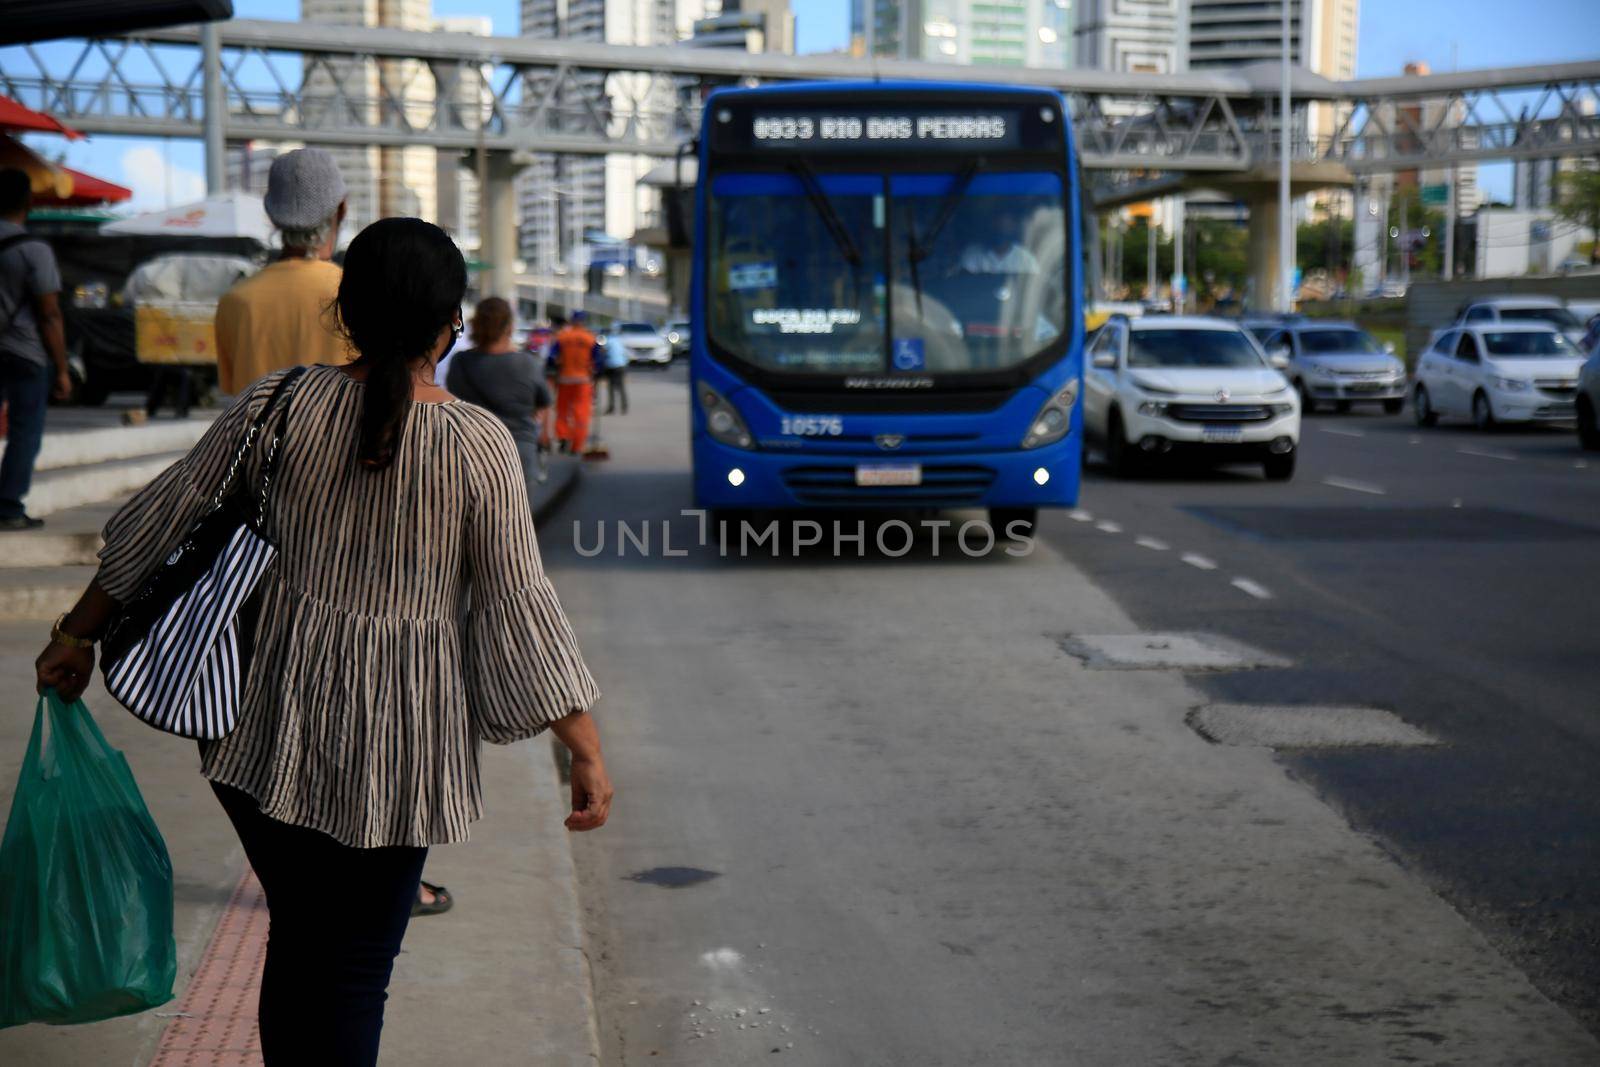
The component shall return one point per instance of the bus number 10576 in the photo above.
(813, 425)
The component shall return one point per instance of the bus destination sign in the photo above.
(891, 129)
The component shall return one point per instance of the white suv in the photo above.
(1503, 372)
(1166, 384)
(1500, 310)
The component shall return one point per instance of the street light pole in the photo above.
(214, 106)
(1285, 212)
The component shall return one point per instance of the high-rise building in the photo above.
(1227, 33)
(1322, 39)
(746, 25)
(1145, 38)
(564, 198)
(382, 181)
(1009, 33)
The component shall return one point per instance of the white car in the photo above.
(642, 341)
(1503, 372)
(1165, 384)
(1498, 310)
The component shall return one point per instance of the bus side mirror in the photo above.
(1105, 361)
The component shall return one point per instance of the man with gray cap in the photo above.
(279, 317)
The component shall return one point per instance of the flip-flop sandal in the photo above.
(442, 901)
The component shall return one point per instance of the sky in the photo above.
(1446, 34)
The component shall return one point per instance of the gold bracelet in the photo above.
(61, 637)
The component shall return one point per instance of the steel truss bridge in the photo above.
(285, 81)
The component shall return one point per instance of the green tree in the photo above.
(1326, 244)
(1578, 201)
(1136, 257)
(1221, 258)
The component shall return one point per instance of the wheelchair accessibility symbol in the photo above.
(909, 354)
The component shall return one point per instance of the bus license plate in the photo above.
(1222, 435)
(880, 474)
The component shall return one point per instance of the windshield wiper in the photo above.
(825, 210)
(947, 211)
(916, 251)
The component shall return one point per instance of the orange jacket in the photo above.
(574, 355)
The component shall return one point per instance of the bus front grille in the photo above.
(836, 484)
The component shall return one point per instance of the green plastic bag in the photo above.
(85, 882)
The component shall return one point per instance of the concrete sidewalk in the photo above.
(502, 978)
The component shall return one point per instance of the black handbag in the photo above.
(178, 652)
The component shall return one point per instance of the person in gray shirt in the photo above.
(33, 346)
(493, 374)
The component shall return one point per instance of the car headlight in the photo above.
(1153, 407)
(1318, 370)
(723, 421)
(1054, 419)
(1281, 409)
(1511, 385)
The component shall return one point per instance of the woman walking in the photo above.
(407, 618)
(493, 374)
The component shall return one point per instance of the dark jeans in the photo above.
(26, 389)
(337, 916)
(616, 385)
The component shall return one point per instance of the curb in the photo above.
(564, 474)
(563, 482)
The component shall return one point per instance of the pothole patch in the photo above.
(1166, 652)
(1303, 726)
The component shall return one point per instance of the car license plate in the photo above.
(1222, 434)
(880, 474)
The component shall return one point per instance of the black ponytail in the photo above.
(404, 280)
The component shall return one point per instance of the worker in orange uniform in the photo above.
(575, 352)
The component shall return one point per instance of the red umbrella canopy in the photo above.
(87, 190)
(13, 116)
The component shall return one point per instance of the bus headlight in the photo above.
(1054, 419)
(722, 420)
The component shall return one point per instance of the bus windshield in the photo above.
(871, 273)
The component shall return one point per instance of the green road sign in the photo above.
(1436, 195)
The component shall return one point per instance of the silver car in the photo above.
(1339, 363)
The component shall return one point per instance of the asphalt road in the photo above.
(870, 810)
(1449, 575)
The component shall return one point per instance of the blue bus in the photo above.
(886, 310)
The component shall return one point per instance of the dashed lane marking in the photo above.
(1079, 515)
(1107, 527)
(1338, 432)
(1199, 561)
(1413, 440)
(1354, 486)
(1486, 453)
(1255, 589)
(1154, 544)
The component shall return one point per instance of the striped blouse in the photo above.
(407, 617)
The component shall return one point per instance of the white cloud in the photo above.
(157, 184)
